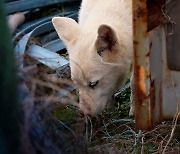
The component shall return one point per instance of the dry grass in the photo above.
(57, 120)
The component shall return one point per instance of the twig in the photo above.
(172, 132)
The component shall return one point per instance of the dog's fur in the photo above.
(100, 49)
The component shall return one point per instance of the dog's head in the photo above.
(99, 62)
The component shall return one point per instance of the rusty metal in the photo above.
(156, 63)
(146, 17)
(141, 66)
(154, 14)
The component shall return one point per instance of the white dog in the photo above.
(100, 49)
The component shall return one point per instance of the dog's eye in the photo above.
(93, 84)
(100, 51)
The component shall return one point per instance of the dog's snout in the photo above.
(86, 108)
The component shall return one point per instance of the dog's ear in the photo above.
(66, 28)
(106, 44)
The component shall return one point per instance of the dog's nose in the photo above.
(87, 108)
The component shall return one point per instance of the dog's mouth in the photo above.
(92, 110)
